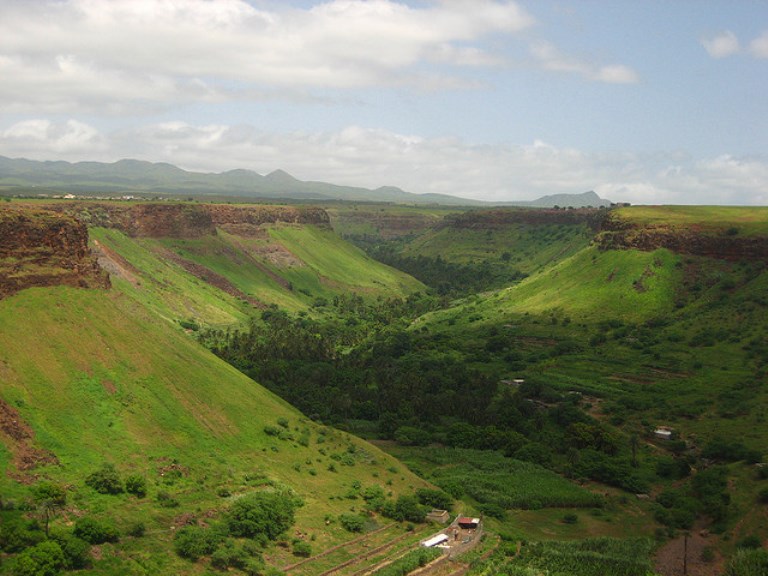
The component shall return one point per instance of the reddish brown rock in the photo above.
(41, 248)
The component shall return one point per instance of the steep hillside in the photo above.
(456, 253)
(90, 377)
(217, 264)
(140, 395)
(531, 238)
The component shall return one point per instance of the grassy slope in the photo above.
(339, 265)
(530, 246)
(317, 264)
(165, 287)
(631, 285)
(106, 382)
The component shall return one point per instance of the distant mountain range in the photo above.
(137, 177)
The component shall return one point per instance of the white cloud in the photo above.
(550, 58)
(617, 74)
(721, 45)
(68, 139)
(90, 54)
(371, 158)
(727, 44)
(759, 46)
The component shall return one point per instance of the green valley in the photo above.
(590, 382)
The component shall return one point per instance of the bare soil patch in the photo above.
(20, 441)
(670, 558)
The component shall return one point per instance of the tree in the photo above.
(261, 513)
(44, 559)
(634, 442)
(48, 498)
(95, 531)
(105, 481)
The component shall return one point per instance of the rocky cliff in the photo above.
(47, 245)
(42, 248)
(725, 244)
(488, 219)
(185, 220)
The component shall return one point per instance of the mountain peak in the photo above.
(281, 176)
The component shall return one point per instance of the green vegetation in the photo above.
(591, 557)
(495, 483)
(532, 400)
(729, 220)
(144, 395)
(411, 561)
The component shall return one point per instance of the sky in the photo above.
(649, 102)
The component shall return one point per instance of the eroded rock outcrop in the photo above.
(168, 220)
(725, 244)
(42, 248)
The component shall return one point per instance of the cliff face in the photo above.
(48, 245)
(618, 235)
(257, 215)
(185, 220)
(41, 248)
(488, 219)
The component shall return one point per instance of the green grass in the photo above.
(530, 247)
(290, 267)
(747, 221)
(166, 288)
(339, 265)
(631, 285)
(143, 395)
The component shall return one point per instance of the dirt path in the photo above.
(669, 560)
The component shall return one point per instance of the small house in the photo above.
(663, 433)
(469, 523)
(440, 516)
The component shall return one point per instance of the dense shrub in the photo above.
(750, 542)
(405, 508)
(301, 548)
(76, 550)
(105, 481)
(230, 555)
(136, 484)
(44, 559)
(434, 498)
(95, 531)
(412, 436)
(352, 522)
(166, 500)
(261, 513)
(374, 497)
(16, 534)
(192, 542)
(720, 448)
(748, 563)
(137, 530)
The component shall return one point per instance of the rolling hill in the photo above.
(23, 177)
(93, 376)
